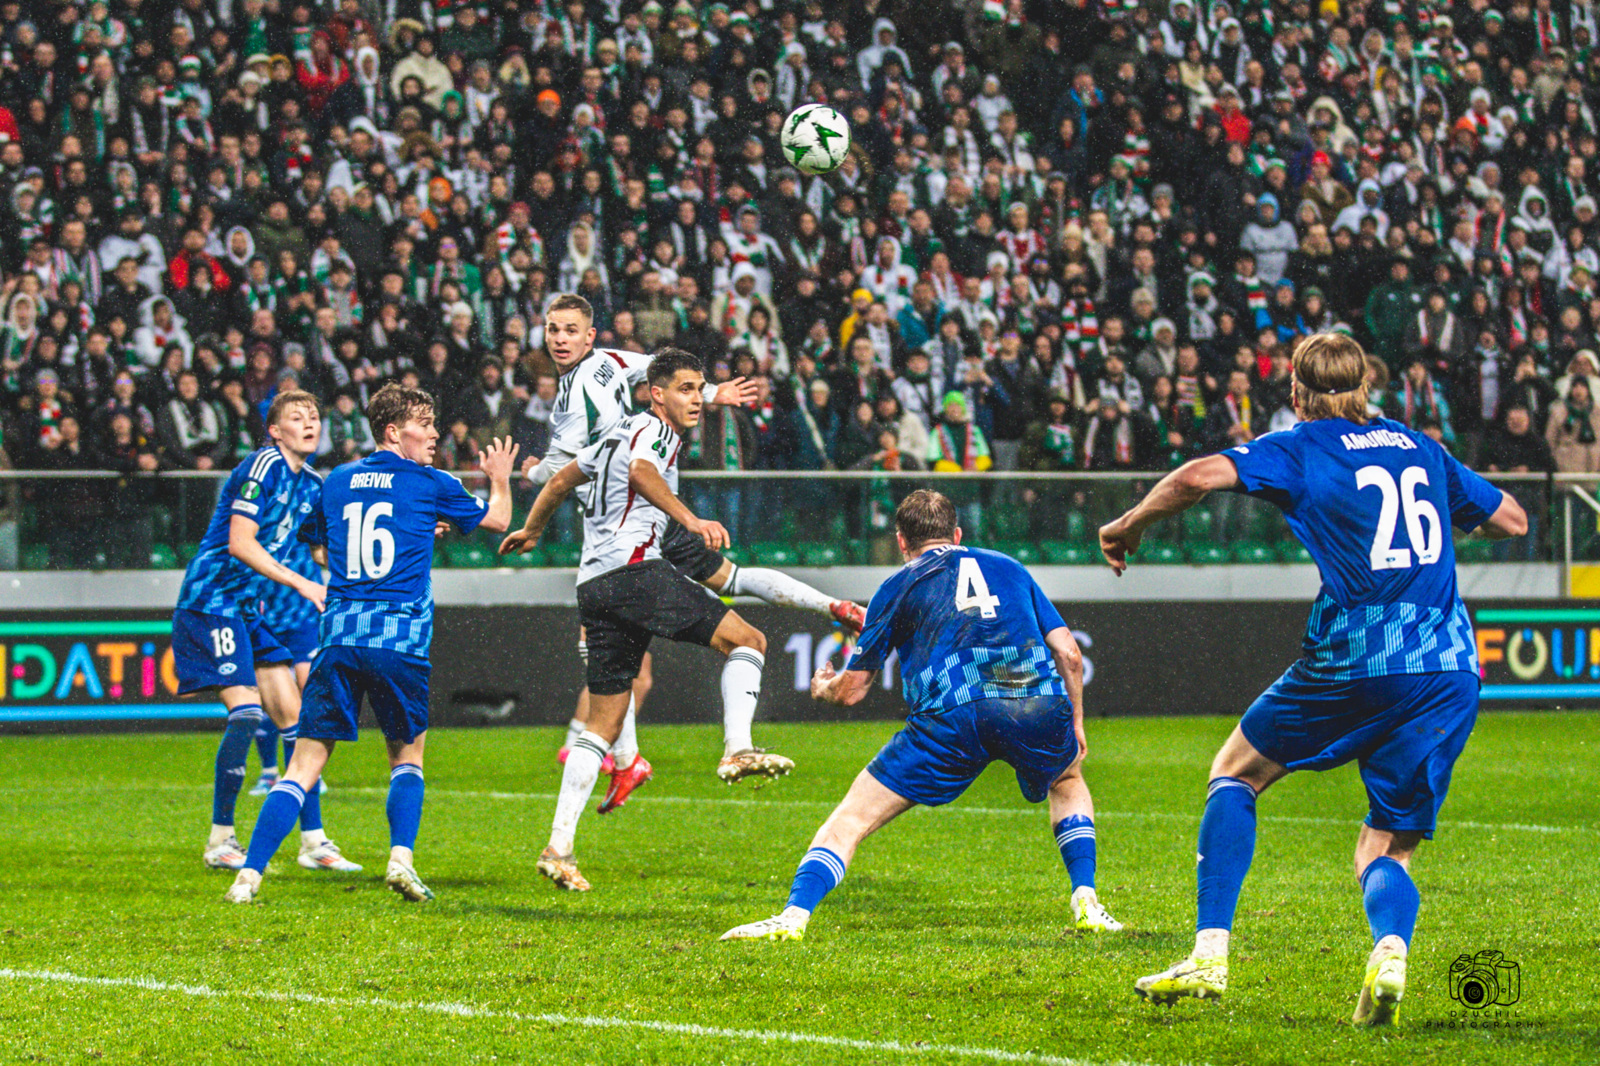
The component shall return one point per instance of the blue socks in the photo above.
(1075, 838)
(267, 745)
(231, 755)
(820, 873)
(311, 812)
(1390, 898)
(1227, 843)
(405, 805)
(276, 819)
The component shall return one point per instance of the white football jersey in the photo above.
(592, 399)
(622, 527)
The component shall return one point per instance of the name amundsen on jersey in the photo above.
(1376, 438)
(372, 481)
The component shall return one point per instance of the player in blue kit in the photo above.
(991, 673)
(377, 519)
(1389, 675)
(220, 639)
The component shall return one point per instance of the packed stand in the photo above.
(1068, 236)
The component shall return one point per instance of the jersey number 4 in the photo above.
(1427, 543)
(368, 547)
(973, 591)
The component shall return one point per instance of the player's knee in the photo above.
(753, 639)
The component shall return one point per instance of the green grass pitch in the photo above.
(945, 944)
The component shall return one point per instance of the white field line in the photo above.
(729, 801)
(584, 1021)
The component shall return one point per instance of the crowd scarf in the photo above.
(195, 422)
(969, 454)
(1079, 326)
(1255, 292)
(1489, 231)
(804, 405)
(761, 415)
(1188, 392)
(1549, 31)
(1122, 442)
(1579, 422)
(809, 257)
(946, 290)
(50, 412)
(1429, 216)
(1417, 402)
(1202, 318)
(1447, 334)
(1239, 411)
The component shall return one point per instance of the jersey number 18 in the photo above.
(1427, 543)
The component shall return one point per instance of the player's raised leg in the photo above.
(1072, 818)
(1239, 774)
(866, 808)
(1391, 900)
(746, 649)
(779, 589)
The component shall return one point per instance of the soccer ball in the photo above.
(816, 138)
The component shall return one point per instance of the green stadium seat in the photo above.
(1022, 551)
(35, 556)
(1473, 550)
(1198, 524)
(1158, 553)
(522, 562)
(1061, 553)
(738, 556)
(820, 555)
(1292, 551)
(1253, 552)
(187, 551)
(775, 554)
(1206, 554)
(1077, 528)
(101, 561)
(565, 556)
(162, 557)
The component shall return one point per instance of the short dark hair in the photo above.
(571, 301)
(925, 516)
(393, 405)
(668, 361)
(290, 398)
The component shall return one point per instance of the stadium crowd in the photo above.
(1069, 235)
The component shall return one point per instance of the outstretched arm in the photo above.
(243, 546)
(497, 461)
(555, 490)
(1508, 520)
(1174, 494)
(841, 690)
(644, 477)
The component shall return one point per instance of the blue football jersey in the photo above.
(1373, 505)
(377, 518)
(968, 624)
(263, 489)
(282, 608)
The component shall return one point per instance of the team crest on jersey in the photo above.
(226, 669)
(251, 490)
(305, 508)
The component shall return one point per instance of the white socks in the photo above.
(1211, 944)
(626, 747)
(403, 856)
(776, 588)
(1389, 945)
(741, 687)
(310, 838)
(219, 835)
(577, 784)
(575, 730)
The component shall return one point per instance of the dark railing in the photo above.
(102, 520)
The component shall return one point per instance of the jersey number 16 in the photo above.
(368, 548)
(1427, 543)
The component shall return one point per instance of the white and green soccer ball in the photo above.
(816, 138)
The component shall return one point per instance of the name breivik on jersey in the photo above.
(1376, 438)
(371, 481)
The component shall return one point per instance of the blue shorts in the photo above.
(394, 684)
(216, 651)
(301, 640)
(936, 756)
(1404, 730)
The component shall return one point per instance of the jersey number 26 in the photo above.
(1427, 543)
